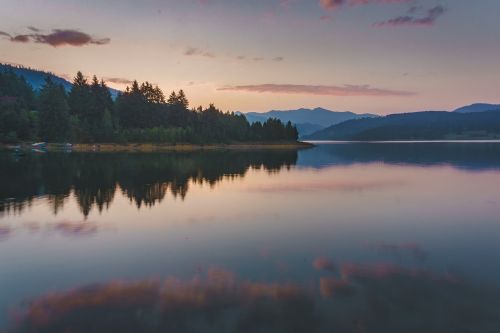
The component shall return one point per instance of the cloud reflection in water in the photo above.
(366, 298)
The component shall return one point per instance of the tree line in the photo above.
(142, 113)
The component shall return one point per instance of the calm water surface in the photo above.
(339, 238)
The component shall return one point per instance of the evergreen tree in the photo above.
(172, 99)
(159, 96)
(100, 104)
(54, 113)
(17, 98)
(152, 94)
(79, 98)
(97, 106)
(182, 99)
(132, 108)
(291, 132)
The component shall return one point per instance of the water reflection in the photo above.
(364, 239)
(143, 178)
(470, 156)
(374, 297)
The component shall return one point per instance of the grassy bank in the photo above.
(149, 147)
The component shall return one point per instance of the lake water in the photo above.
(351, 237)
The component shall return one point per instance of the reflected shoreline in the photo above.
(144, 178)
(463, 155)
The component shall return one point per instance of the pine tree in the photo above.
(182, 99)
(132, 108)
(135, 88)
(54, 113)
(291, 132)
(79, 98)
(172, 99)
(97, 104)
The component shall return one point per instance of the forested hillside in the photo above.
(141, 113)
(416, 126)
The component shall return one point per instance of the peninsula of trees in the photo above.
(142, 113)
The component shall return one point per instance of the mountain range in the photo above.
(478, 107)
(427, 125)
(36, 78)
(307, 121)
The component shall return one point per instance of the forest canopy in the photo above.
(142, 113)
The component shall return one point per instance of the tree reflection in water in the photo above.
(143, 178)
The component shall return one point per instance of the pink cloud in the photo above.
(345, 90)
(410, 20)
(337, 4)
(332, 4)
(58, 37)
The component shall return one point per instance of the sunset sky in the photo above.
(379, 56)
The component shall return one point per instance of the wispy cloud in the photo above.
(34, 29)
(345, 90)
(194, 51)
(118, 80)
(56, 38)
(430, 17)
(337, 4)
(199, 52)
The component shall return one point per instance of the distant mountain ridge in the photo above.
(307, 120)
(478, 107)
(36, 78)
(427, 125)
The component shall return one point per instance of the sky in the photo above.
(377, 56)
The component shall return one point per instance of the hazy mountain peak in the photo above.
(478, 107)
(307, 120)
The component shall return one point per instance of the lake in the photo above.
(343, 237)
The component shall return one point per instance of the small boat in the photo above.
(39, 145)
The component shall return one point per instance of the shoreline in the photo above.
(150, 147)
(403, 141)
